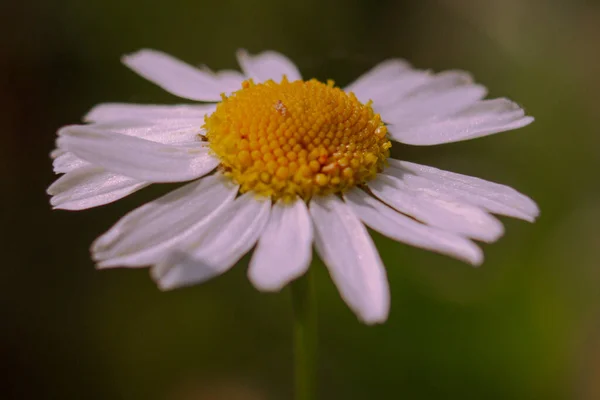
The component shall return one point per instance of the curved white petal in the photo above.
(441, 82)
(444, 94)
(399, 227)
(284, 250)
(108, 112)
(134, 157)
(494, 197)
(223, 241)
(437, 209)
(175, 76)
(267, 65)
(89, 186)
(145, 235)
(387, 95)
(230, 80)
(168, 131)
(387, 83)
(482, 119)
(379, 76)
(351, 257)
(67, 162)
(180, 132)
(177, 131)
(56, 153)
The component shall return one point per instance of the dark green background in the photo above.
(526, 325)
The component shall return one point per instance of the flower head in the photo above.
(279, 163)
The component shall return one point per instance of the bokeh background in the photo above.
(526, 325)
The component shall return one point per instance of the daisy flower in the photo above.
(280, 163)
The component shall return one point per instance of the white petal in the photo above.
(67, 162)
(444, 94)
(284, 250)
(90, 186)
(437, 209)
(353, 261)
(175, 76)
(494, 197)
(221, 244)
(379, 76)
(180, 131)
(387, 83)
(230, 80)
(386, 95)
(169, 131)
(134, 157)
(441, 83)
(56, 153)
(145, 235)
(404, 229)
(482, 119)
(108, 112)
(267, 65)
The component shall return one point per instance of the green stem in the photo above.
(304, 303)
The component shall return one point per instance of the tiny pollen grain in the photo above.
(301, 138)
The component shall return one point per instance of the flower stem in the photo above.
(304, 303)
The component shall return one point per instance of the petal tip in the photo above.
(266, 286)
(129, 57)
(477, 259)
(241, 52)
(163, 287)
(495, 232)
(528, 120)
(166, 281)
(100, 265)
(533, 216)
(160, 278)
(376, 317)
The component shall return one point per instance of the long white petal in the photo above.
(353, 261)
(230, 80)
(404, 229)
(444, 94)
(180, 132)
(387, 83)
(145, 235)
(134, 157)
(67, 162)
(167, 131)
(56, 153)
(494, 197)
(108, 112)
(380, 75)
(218, 247)
(175, 76)
(89, 186)
(267, 65)
(284, 250)
(387, 95)
(437, 209)
(482, 119)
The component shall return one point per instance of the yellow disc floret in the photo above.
(299, 138)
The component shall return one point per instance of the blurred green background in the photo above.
(526, 325)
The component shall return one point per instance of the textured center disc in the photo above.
(299, 138)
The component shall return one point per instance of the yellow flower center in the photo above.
(299, 138)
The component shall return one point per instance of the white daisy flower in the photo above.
(282, 163)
